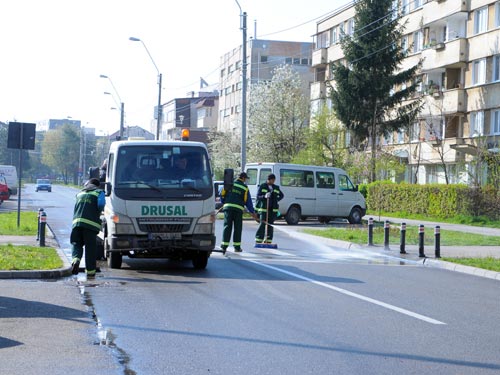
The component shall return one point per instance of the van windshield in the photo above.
(162, 171)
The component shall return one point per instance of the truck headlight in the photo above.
(120, 224)
(205, 224)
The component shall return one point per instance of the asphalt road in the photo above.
(305, 308)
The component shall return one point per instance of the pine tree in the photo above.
(362, 93)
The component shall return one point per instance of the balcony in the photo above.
(436, 10)
(320, 57)
(451, 53)
(318, 90)
(446, 102)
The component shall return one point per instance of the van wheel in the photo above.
(114, 260)
(200, 261)
(355, 216)
(293, 215)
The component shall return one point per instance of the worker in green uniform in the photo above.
(268, 196)
(235, 200)
(89, 204)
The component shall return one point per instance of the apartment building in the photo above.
(263, 56)
(458, 42)
(198, 113)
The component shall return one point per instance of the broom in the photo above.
(265, 245)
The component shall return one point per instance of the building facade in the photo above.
(263, 56)
(458, 42)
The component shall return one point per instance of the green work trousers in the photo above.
(260, 236)
(81, 237)
(232, 218)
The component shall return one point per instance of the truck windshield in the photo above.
(168, 171)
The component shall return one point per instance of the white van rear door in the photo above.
(326, 194)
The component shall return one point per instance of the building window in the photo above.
(222, 72)
(334, 35)
(405, 6)
(350, 26)
(495, 122)
(230, 69)
(476, 124)
(479, 72)
(404, 43)
(288, 60)
(481, 20)
(496, 68)
(497, 14)
(322, 40)
(417, 3)
(415, 132)
(296, 61)
(237, 65)
(418, 41)
(304, 62)
(401, 136)
(238, 86)
(263, 59)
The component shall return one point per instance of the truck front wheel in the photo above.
(114, 260)
(200, 261)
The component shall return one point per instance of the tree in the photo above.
(277, 117)
(362, 93)
(61, 151)
(324, 141)
(225, 152)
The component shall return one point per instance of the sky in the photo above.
(54, 51)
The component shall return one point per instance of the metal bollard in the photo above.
(421, 241)
(40, 210)
(370, 231)
(437, 241)
(402, 239)
(43, 223)
(387, 228)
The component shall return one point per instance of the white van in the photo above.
(322, 192)
(10, 174)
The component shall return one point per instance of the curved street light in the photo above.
(159, 110)
(120, 104)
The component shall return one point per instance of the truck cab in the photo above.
(159, 202)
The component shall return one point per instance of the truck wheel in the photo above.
(355, 216)
(200, 261)
(293, 215)
(114, 260)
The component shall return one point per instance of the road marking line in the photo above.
(351, 294)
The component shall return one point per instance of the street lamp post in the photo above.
(243, 27)
(159, 110)
(122, 105)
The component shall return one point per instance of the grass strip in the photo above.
(489, 263)
(28, 223)
(17, 258)
(359, 235)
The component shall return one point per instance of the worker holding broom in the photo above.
(268, 197)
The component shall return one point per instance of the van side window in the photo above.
(325, 180)
(297, 178)
(345, 183)
(252, 176)
(264, 172)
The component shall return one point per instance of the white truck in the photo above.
(10, 174)
(159, 202)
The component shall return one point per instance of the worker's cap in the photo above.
(271, 177)
(92, 181)
(243, 175)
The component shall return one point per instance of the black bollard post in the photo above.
(387, 228)
(370, 231)
(43, 223)
(40, 210)
(437, 241)
(402, 239)
(421, 241)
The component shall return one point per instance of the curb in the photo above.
(428, 262)
(57, 273)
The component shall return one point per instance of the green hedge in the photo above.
(434, 199)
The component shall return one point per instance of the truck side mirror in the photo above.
(228, 179)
